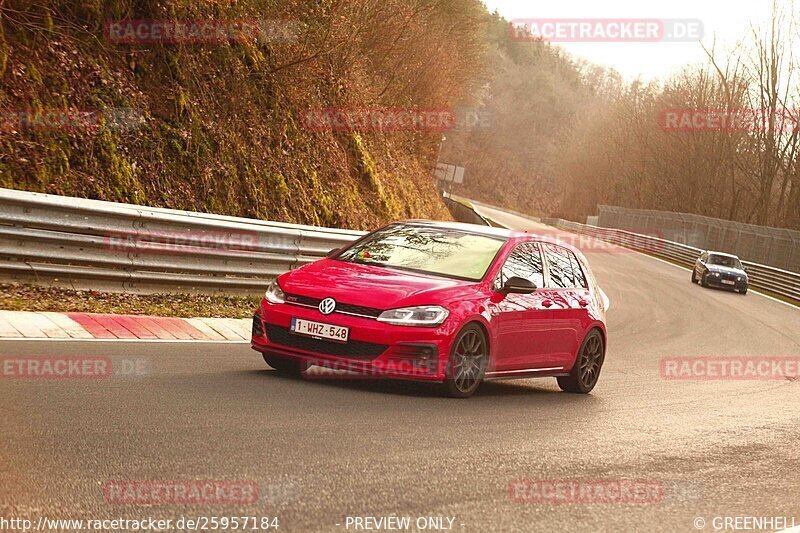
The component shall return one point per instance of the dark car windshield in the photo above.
(439, 251)
(724, 260)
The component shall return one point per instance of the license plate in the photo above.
(319, 330)
(727, 282)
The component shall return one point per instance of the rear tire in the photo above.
(586, 371)
(694, 277)
(467, 363)
(284, 365)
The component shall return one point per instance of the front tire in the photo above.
(703, 280)
(743, 291)
(586, 371)
(283, 365)
(467, 364)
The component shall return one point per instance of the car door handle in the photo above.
(547, 303)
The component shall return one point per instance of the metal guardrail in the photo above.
(775, 280)
(137, 248)
(463, 210)
(128, 247)
(765, 277)
(777, 247)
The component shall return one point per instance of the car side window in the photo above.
(524, 262)
(580, 277)
(561, 274)
(565, 269)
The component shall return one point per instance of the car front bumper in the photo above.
(374, 349)
(718, 282)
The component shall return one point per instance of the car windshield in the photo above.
(439, 251)
(724, 260)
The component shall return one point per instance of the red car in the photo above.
(442, 302)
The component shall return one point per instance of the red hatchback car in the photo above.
(442, 302)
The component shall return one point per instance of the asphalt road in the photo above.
(322, 451)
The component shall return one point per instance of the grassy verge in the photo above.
(18, 297)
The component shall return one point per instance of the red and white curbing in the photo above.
(89, 326)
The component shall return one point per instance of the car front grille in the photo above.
(348, 309)
(356, 350)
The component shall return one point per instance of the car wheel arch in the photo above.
(602, 336)
(477, 320)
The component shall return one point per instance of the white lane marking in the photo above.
(606, 300)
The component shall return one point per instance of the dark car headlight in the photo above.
(423, 316)
(274, 294)
(715, 274)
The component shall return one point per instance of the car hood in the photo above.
(371, 286)
(726, 270)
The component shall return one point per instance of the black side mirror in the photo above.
(517, 285)
(333, 252)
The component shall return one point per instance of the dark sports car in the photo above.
(724, 271)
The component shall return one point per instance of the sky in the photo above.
(728, 21)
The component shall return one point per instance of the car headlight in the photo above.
(739, 278)
(274, 294)
(715, 274)
(427, 315)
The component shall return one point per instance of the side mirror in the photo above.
(333, 252)
(744, 268)
(517, 285)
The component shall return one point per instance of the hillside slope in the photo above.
(217, 126)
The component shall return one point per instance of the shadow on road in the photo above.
(541, 388)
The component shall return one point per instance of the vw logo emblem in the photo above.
(327, 306)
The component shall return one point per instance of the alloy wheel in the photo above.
(591, 361)
(469, 361)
